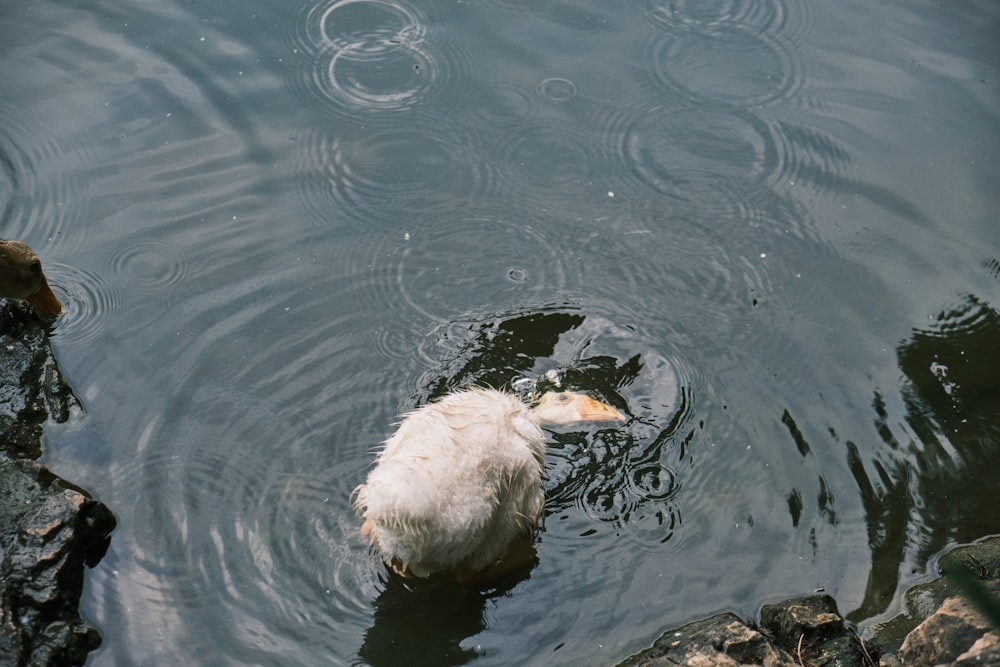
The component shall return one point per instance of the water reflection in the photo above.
(276, 226)
(426, 623)
(934, 483)
(952, 400)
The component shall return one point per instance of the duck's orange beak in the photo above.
(595, 411)
(44, 301)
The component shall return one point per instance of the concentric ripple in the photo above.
(557, 89)
(361, 78)
(605, 482)
(499, 104)
(791, 18)
(502, 260)
(735, 65)
(393, 175)
(541, 165)
(343, 23)
(37, 200)
(689, 152)
(91, 307)
(376, 57)
(150, 265)
(218, 526)
(698, 16)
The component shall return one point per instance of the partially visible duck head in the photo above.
(21, 277)
(566, 407)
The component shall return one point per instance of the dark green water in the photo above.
(766, 230)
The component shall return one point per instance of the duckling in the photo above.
(459, 484)
(21, 277)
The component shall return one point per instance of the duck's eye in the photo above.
(35, 267)
(563, 398)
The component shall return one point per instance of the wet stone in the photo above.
(49, 528)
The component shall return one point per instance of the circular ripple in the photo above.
(733, 66)
(634, 498)
(358, 79)
(372, 59)
(393, 175)
(543, 165)
(449, 265)
(90, 306)
(344, 23)
(652, 482)
(694, 153)
(34, 203)
(500, 105)
(701, 16)
(149, 265)
(556, 89)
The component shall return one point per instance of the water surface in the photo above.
(764, 230)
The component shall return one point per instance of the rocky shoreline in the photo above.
(939, 626)
(50, 529)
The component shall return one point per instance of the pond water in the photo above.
(766, 230)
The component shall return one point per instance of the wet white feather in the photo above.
(456, 483)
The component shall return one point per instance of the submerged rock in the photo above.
(49, 528)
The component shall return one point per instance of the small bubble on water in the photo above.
(517, 275)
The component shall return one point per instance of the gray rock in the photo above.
(49, 528)
(956, 634)
(806, 630)
(813, 626)
(32, 390)
(924, 601)
(721, 640)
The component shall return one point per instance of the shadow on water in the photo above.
(937, 484)
(930, 481)
(425, 622)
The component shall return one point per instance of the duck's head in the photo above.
(565, 407)
(21, 277)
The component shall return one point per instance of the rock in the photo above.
(813, 618)
(49, 528)
(48, 531)
(941, 598)
(721, 640)
(805, 630)
(813, 625)
(956, 634)
(32, 389)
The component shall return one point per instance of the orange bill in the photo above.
(44, 301)
(595, 411)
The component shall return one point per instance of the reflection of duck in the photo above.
(460, 481)
(21, 277)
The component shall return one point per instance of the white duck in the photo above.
(459, 482)
(21, 277)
